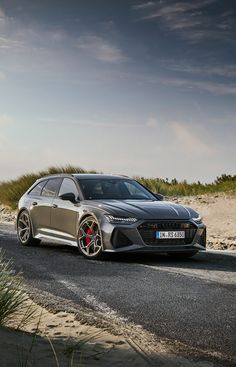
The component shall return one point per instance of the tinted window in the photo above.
(37, 189)
(134, 190)
(51, 187)
(67, 186)
(119, 189)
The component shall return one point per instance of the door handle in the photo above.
(34, 203)
(54, 205)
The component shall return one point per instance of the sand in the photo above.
(50, 337)
(219, 215)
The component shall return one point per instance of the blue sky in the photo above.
(128, 86)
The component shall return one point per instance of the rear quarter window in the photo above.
(36, 191)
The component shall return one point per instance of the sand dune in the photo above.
(219, 214)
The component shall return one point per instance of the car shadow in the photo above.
(202, 260)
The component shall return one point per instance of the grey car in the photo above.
(101, 214)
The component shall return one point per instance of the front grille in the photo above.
(148, 230)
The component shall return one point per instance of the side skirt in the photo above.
(51, 238)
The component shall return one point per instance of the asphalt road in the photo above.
(191, 301)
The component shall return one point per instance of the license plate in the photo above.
(161, 235)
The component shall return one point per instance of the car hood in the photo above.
(144, 209)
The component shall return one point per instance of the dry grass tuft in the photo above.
(11, 191)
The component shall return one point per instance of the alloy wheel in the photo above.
(23, 227)
(89, 239)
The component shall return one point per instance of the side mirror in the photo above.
(159, 196)
(69, 196)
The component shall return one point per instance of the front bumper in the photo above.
(138, 237)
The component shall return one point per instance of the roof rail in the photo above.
(58, 174)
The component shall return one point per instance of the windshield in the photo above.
(114, 189)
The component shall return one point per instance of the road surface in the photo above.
(191, 301)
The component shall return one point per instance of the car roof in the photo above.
(82, 176)
(97, 175)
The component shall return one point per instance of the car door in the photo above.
(41, 206)
(64, 216)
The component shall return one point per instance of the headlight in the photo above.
(120, 220)
(198, 219)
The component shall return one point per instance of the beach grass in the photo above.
(14, 303)
(12, 190)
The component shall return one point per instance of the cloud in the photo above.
(3, 19)
(222, 70)
(101, 49)
(189, 140)
(143, 5)
(53, 51)
(191, 21)
(8, 43)
(152, 123)
(56, 52)
(211, 87)
(169, 10)
(58, 36)
(5, 120)
(120, 124)
(2, 76)
(10, 37)
(7, 39)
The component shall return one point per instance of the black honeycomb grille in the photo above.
(148, 231)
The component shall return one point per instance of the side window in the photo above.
(68, 185)
(36, 191)
(51, 187)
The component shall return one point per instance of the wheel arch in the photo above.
(86, 215)
(20, 211)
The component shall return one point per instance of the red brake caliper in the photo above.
(88, 240)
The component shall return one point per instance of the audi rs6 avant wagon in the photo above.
(105, 213)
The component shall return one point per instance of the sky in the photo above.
(132, 87)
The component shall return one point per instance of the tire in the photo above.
(24, 230)
(182, 255)
(90, 239)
